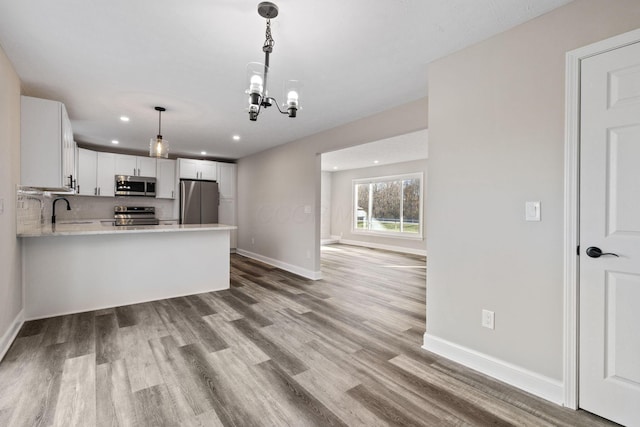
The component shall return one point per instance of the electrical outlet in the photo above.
(488, 319)
(308, 254)
(1, 206)
(253, 241)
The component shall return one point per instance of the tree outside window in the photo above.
(388, 205)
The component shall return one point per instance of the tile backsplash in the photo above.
(34, 208)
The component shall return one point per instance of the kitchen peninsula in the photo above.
(86, 265)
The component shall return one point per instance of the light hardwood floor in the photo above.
(274, 350)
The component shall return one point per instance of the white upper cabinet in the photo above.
(47, 148)
(105, 174)
(198, 169)
(96, 176)
(87, 165)
(135, 165)
(227, 180)
(146, 166)
(166, 175)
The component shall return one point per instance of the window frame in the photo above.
(392, 234)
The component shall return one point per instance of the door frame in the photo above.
(572, 207)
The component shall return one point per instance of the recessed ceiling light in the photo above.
(376, 162)
(236, 137)
(335, 167)
(124, 118)
(115, 141)
(203, 152)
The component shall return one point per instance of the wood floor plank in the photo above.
(310, 409)
(36, 405)
(115, 404)
(280, 355)
(182, 386)
(77, 398)
(141, 365)
(154, 407)
(108, 343)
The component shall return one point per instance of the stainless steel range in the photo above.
(135, 215)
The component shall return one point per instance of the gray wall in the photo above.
(275, 185)
(496, 140)
(325, 205)
(342, 204)
(10, 263)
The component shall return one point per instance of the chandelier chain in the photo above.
(269, 42)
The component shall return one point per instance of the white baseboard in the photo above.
(309, 274)
(10, 335)
(531, 382)
(330, 241)
(384, 247)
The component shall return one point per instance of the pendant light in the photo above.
(159, 147)
(257, 74)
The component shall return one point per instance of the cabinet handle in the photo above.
(138, 171)
(98, 191)
(172, 196)
(95, 191)
(78, 188)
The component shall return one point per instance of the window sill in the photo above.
(389, 234)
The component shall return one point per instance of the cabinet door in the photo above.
(188, 168)
(227, 180)
(208, 170)
(146, 166)
(166, 175)
(87, 166)
(105, 175)
(126, 165)
(40, 143)
(68, 174)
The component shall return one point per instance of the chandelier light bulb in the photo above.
(255, 84)
(292, 98)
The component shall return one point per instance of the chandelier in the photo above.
(257, 74)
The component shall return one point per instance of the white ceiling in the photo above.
(402, 148)
(105, 59)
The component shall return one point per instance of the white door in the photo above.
(610, 220)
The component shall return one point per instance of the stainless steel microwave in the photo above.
(135, 186)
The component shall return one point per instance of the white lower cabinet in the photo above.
(166, 179)
(96, 175)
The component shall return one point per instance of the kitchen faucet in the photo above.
(53, 217)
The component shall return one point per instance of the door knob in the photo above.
(595, 252)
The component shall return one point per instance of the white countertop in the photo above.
(91, 227)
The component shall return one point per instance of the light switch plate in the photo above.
(1, 206)
(532, 211)
(307, 209)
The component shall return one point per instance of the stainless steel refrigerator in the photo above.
(198, 202)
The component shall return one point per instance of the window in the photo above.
(389, 205)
